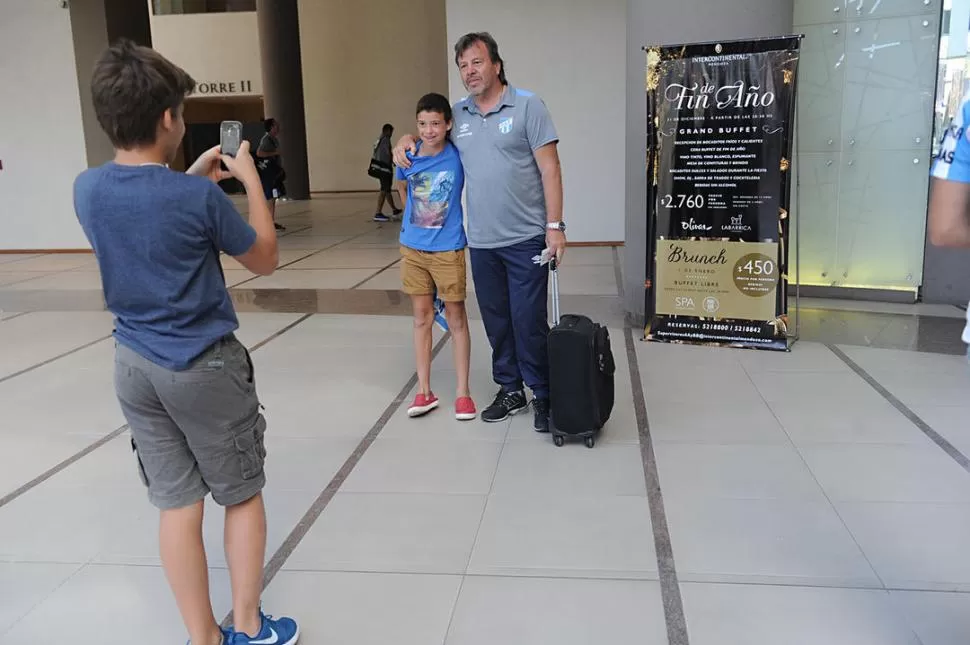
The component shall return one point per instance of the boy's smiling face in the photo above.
(433, 128)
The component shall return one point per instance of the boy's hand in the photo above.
(207, 165)
(405, 144)
(241, 166)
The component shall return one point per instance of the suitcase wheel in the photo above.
(590, 442)
(558, 440)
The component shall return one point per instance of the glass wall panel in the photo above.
(868, 77)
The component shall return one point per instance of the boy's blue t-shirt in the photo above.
(433, 217)
(157, 235)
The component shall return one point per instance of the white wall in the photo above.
(42, 142)
(364, 64)
(572, 54)
(219, 50)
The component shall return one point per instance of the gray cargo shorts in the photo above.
(194, 431)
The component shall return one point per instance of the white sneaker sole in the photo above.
(421, 411)
(467, 416)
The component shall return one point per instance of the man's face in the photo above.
(432, 127)
(478, 72)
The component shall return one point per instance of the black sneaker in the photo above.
(541, 409)
(505, 405)
(381, 217)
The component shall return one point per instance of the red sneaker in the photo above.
(465, 409)
(423, 404)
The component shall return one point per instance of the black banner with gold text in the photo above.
(720, 124)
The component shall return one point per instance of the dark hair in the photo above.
(388, 129)
(468, 40)
(131, 88)
(269, 124)
(435, 103)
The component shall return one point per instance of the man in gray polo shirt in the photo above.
(508, 147)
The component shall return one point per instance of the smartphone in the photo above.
(230, 137)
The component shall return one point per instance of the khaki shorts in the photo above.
(421, 271)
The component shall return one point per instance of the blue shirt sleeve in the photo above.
(399, 174)
(538, 123)
(953, 160)
(227, 229)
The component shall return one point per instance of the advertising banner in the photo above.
(720, 124)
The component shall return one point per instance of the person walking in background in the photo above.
(382, 169)
(270, 166)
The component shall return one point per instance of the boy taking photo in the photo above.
(185, 383)
(433, 250)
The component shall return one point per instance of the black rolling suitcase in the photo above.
(581, 372)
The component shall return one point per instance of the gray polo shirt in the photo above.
(503, 187)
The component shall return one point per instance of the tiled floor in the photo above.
(812, 498)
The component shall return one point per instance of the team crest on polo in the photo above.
(506, 126)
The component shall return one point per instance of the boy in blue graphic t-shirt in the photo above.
(433, 249)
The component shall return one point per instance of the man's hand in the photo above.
(405, 144)
(241, 166)
(207, 165)
(556, 243)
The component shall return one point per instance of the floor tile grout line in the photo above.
(478, 531)
(903, 409)
(282, 331)
(40, 479)
(55, 358)
(293, 540)
(47, 274)
(22, 490)
(811, 472)
(80, 567)
(365, 281)
(92, 563)
(673, 603)
(488, 496)
(30, 257)
(306, 257)
(15, 316)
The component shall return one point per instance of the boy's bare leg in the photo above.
(245, 542)
(380, 201)
(183, 556)
(458, 326)
(423, 307)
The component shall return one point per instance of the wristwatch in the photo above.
(556, 226)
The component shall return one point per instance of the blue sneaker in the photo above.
(439, 312)
(282, 631)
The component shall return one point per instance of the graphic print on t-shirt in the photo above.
(430, 192)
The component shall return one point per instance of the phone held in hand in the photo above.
(230, 137)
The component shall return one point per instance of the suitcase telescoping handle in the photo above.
(554, 286)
